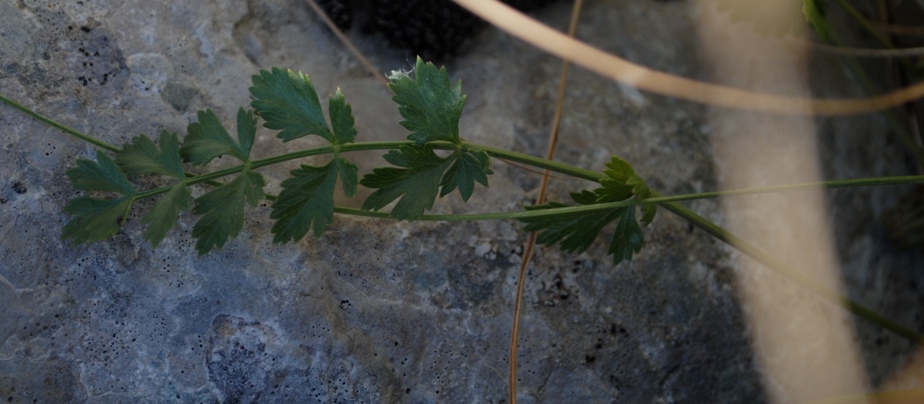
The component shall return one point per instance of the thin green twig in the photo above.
(76, 133)
(780, 268)
(47, 121)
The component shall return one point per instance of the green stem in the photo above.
(661, 200)
(772, 263)
(73, 132)
(539, 163)
(365, 146)
(534, 161)
(53, 124)
(553, 212)
(347, 147)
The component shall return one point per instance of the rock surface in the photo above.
(377, 311)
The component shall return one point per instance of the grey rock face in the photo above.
(373, 311)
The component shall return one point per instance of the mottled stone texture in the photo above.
(373, 311)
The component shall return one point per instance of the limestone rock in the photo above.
(373, 311)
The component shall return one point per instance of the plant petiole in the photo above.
(47, 121)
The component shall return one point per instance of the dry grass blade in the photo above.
(372, 70)
(607, 65)
(540, 199)
(907, 30)
(865, 52)
(346, 41)
(536, 171)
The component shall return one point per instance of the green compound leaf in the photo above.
(246, 131)
(348, 177)
(467, 168)
(222, 210)
(100, 175)
(642, 192)
(288, 101)
(417, 183)
(307, 199)
(142, 156)
(628, 238)
(96, 219)
(577, 231)
(163, 215)
(423, 175)
(341, 116)
(208, 139)
(622, 183)
(615, 187)
(430, 105)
